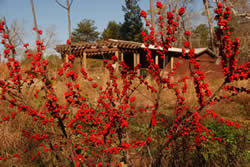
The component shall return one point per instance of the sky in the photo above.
(50, 14)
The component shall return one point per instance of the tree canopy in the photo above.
(132, 27)
(112, 31)
(202, 31)
(85, 31)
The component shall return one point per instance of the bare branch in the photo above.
(62, 4)
(49, 38)
(71, 3)
(7, 30)
(68, 11)
(236, 13)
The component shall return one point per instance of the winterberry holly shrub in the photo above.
(68, 128)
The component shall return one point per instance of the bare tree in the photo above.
(152, 13)
(244, 13)
(34, 19)
(170, 5)
(15, 32)
(68, 11)
(49, 39)
(211, 28)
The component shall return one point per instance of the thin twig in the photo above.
(62, 4)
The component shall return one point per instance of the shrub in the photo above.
(109, 130)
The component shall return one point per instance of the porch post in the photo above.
(66, 58)
(122, 56)
(85, 61)
(117, 62)
(157, 59)
(138, 62)
(106, 74)
(135, 60)
(172, 63)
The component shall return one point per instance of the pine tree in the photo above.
(112, 31)
(85, 31)
(132, 26)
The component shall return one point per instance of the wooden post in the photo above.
(66, 58)
(85, 61)
(117, 62)
(122, 56)
(106, 74)
(157, 60)
(172, 64)
(164, 62)
(164, 66)
(138, 58)
(138, 62)
(135, 60)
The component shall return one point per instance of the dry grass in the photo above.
(11, 140)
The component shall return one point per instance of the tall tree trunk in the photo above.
(152, 13)
(211, 30)
(190, 30)
(69, 21)
(68, 12)
(34, 18)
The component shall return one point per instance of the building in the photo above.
(133, 53)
